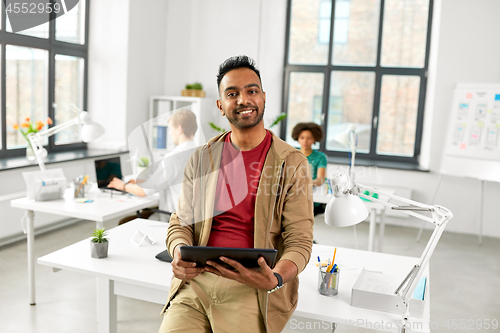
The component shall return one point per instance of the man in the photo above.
(273, 211)
(167, 177)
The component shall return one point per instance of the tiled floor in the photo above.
(465, 282)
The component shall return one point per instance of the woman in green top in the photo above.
(308, 134)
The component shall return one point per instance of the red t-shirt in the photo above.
(233, 223)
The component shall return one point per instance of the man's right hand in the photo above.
(184, 270)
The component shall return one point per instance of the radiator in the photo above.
(10, 219)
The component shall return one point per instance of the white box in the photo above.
(374, 290)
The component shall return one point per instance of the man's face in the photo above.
(242, 100)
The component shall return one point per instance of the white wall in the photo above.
(146, 58)
(126, 65)
(108, 59)
(468, 51)
(201, 35)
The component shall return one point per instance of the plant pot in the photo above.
(99, 250)
(193, 93)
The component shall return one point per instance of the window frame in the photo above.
(53, 46)
(379, 71)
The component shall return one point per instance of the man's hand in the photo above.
(184, 270)
(260, 278)
(117, 183)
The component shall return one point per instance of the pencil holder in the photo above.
(328, 283)
(79, 189)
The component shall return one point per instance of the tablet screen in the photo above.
(247, 257)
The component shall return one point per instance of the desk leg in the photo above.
(106, 306)
(29, 230)
(373, 223)
(99, 224)
(381, 231)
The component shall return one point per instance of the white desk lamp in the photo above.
(89, 132)
(349, 138)
(346, 209)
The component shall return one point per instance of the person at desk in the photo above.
(167, 177)
(308, 134)
(261, 197)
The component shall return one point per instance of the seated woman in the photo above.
(308, 134)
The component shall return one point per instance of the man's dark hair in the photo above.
(314, 128)
(236, 62)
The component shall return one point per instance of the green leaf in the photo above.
(217, 128)
(99, 236)
(197, 86)
(278, 119)
(143, 162)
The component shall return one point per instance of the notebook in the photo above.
(107, 169)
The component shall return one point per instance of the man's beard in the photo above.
(236, 122)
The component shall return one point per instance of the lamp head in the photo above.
(90, 130)
(344, 138)
(345, 208)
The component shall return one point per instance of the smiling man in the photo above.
(245, 188)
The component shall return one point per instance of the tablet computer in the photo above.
(164, 256)
(247, 257)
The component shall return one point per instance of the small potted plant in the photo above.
(194, 90)
(99, 244)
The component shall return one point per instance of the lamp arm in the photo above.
(358, 190)
(58, 128)
(440, 218)
(35, 139)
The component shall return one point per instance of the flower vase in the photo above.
(30, 154)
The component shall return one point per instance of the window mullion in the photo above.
(376, 112)
(50, 99)
(378, 85)
(327, 80)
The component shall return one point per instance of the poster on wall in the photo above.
(475, 123)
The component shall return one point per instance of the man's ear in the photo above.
(219, 106)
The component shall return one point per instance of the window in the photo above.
(370, 75)
(44, 72)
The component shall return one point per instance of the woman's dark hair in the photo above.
(235, 63)
(314, 128)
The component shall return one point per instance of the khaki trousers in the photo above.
(210, 303)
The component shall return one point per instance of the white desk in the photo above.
(133, 271)
(337, 309)
(128, 270)
(374, 209)
(104, 207)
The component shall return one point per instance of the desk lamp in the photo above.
(89, 132)
(346, 208)
(349, 138)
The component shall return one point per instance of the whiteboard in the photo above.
(472, 145)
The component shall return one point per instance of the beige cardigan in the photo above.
(283, 216)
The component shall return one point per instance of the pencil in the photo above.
(334, 254)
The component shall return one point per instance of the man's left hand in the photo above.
(260, 278)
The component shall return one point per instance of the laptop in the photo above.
(107, 169)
